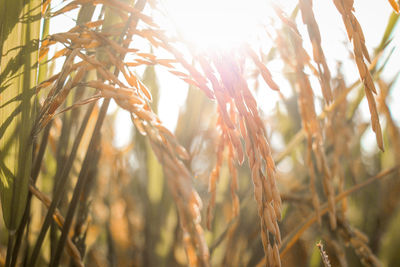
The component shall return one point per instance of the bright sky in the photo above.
(222, 23)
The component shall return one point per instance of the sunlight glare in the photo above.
(217, 23)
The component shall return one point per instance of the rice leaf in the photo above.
(20, 29)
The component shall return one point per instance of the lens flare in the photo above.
(217, 23)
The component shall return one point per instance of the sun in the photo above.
(209, 24)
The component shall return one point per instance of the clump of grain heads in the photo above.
(131, 95)
(144, 205)
(239, 116)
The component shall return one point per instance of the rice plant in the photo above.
(218, 189)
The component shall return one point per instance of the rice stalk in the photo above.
(60, 188)
(356, 35)
(324, 255)
(59, 220)
(92, 154)
(319, 57)
(359, 242)
(394, 5)
(107, 212)
(292, 237)
(235, 94)
(308, 115)
(34, 175)
(19, 52)
(393, 130)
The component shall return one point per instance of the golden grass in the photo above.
(95, 67)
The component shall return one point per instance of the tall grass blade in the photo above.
(20, 29)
